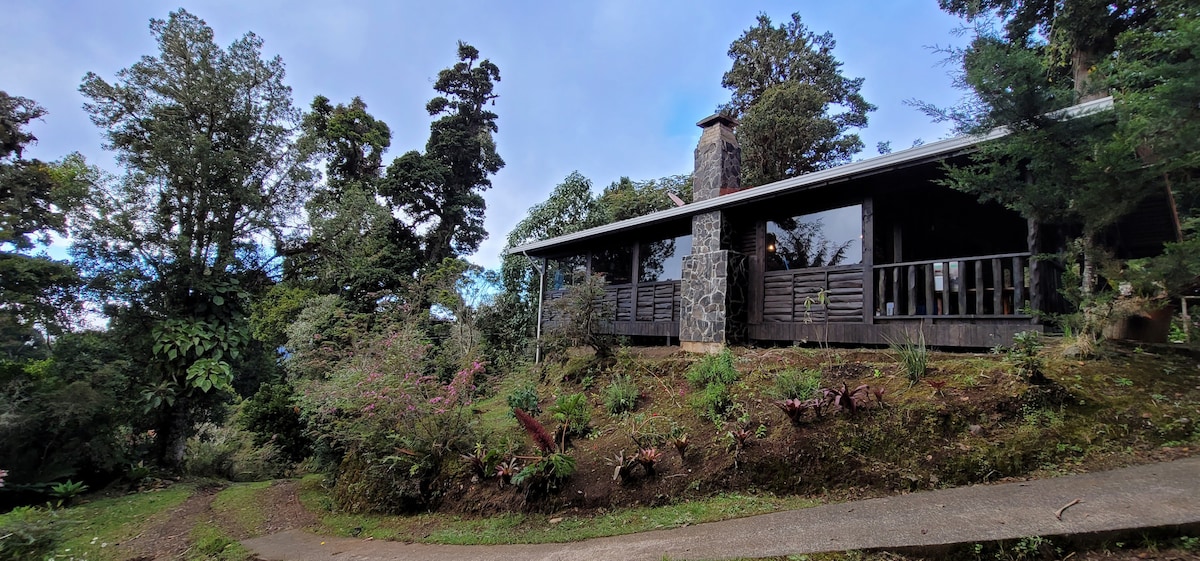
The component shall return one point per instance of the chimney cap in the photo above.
(717, 119)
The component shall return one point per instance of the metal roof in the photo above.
(901, 158)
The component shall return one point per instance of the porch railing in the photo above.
(989, 286)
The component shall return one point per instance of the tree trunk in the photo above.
(1087, 87)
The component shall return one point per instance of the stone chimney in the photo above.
(712, 288)
(718, 159)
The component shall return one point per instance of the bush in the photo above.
(230, 453)
(621, 395)
(797, 384)
(713, 402)
(272, 415)
(713, 368)
(1025, 356)
(29, 533)
(525, 398)
(913, 356)
(578, 318)
(573, 413)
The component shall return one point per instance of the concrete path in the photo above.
(1157, 495)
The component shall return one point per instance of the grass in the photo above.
(211, 543)
(536, 528)
(101, 524)
(240, 503)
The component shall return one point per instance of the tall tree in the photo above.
(35, 198)
(440, 190)
(787, 87)
(205, 136)
(355, 247)
(1078, 34)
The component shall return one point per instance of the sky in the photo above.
(610, 88)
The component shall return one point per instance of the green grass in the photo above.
(240, 504)
(101, 524)
(211, 543)
(536, 528)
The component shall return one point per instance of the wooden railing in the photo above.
(966, 287)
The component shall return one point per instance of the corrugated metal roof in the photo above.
(901, 158)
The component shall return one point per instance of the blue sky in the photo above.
(609, 88)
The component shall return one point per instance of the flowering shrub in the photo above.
(393, 424)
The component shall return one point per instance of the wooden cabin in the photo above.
(865, 253)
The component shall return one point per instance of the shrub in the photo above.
(621, 395)
(573, 413)
(1025, 356)
(525, 398)
(716, 368)
(579, 316)
(29, 533)
(271, 414)
(226, 452)
(713, 402)
(913, 356)
(797, 384)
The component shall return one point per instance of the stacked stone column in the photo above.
(713, 279)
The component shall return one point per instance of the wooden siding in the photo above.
(937, 332)
(654, 311)
(795, 296)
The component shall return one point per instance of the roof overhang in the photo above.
(902, 158)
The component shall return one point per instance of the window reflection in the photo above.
(663, 260)
(821, 239)
(616, 264)
(566, 271)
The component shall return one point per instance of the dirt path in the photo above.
(168, 538)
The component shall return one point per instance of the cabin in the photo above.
(865, 253)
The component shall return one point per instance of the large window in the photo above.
(565, 271)
(616, 264)
(821, 239)
(663, 260)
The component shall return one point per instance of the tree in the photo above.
(440, 190)
(355, 247)
(205, 136)
(1078, 34)
(786, 84)
(36, 292)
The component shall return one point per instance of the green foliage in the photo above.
(797, 384)
(716, 368)
(786, 88)
(1025, 356)
(525, 398)
(388, 423)
(713, 402)
(579, 316)
(29, 533)
(621, 395)
(66, 491)
(228, 452)
(912, 355)
(572, 412)
(273, 417)
(440, 189)
(550, 470)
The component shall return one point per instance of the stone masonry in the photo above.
(712, 284)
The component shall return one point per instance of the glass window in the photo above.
(616, 264)
(565, 271)
(821, 239)
(663, 260)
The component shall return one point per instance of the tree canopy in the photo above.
(796, 110)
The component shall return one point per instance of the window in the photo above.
(565, 271)
(821, 239)
(663, 260)
(616, 264)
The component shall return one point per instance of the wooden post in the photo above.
(978, 265)
(868, 259)
(998, 281)
(946, 288)
(1018, 275)
(962, 288)
(912, 290)
(930, 303)
(1034, 240)
(757, 268)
